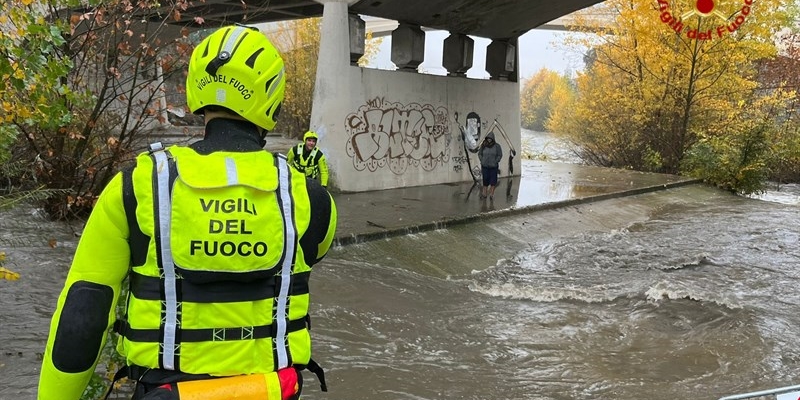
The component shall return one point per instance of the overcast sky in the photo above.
(538, 49)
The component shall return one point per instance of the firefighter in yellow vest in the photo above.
(217, 241)
(308, 158)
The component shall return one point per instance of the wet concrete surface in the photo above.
(366, 216)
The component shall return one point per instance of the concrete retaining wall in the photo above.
(393, 129)
(388, 129)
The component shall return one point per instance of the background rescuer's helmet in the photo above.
(237, 68)
(310, 134)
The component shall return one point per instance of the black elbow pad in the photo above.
(82, 326)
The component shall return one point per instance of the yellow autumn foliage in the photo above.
(72, 81)
(298, 41)
(6, 274)
(537, 98)
(654, 87)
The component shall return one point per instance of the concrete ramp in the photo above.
(459, 249)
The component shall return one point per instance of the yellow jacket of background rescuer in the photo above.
(233, 297)
(313, 163)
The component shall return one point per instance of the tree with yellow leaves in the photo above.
(80, 82)
(299, 42)
(536, 98)
(6, 274)
(672, 88)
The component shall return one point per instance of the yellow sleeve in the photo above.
(323, 171)
(290, 156)
(100, 264)
(323, 247)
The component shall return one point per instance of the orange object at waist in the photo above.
(279, 385)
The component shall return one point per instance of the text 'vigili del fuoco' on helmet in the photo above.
(237, 68)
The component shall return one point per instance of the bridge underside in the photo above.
(492, 19)
(385, 129)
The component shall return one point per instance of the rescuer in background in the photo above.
(308, 158)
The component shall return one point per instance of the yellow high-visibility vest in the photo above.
(223, 289)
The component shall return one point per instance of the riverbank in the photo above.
(375, 215)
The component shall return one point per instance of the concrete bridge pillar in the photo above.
(384, 129)
(502, 60)
(334, 80)
(457, 54)
(335, 43)
(408, 46)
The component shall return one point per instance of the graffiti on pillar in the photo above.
(472, 138)
(459, 161)
(382, 134)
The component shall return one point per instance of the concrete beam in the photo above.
(408, 47)
(458, 54)
(501, 60)
(357, 38)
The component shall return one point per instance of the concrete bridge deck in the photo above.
(493, 19)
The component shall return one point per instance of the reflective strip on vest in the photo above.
(163, 212)
(309, 165)
(289, 253)
(164, 175)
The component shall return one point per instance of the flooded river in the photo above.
(689, 293)
(695, 299)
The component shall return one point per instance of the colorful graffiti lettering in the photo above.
(383, 134)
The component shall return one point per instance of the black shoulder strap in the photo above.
(137, 241)
(315, 368)
(121, 373)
